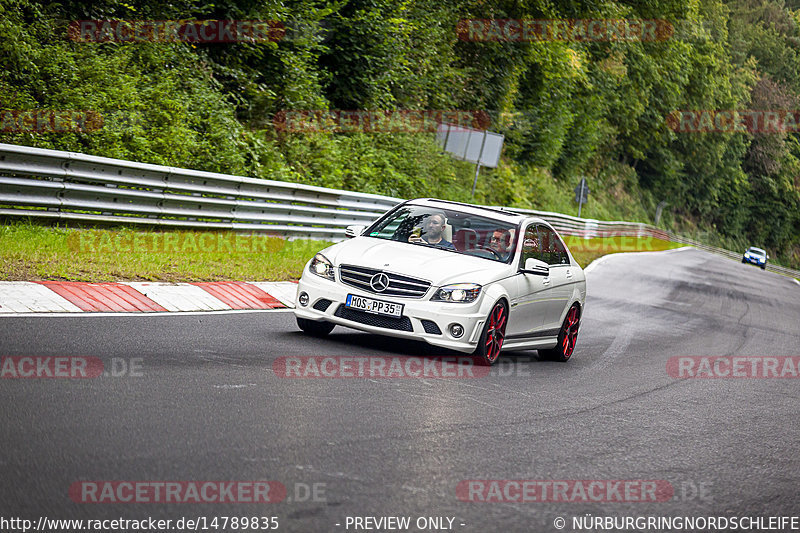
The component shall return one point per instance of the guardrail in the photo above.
(569, 225)
(77, 187)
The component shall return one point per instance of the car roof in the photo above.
(492, 212)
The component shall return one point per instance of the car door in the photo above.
(562, 278)
(527, 316)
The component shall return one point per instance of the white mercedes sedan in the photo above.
(468, 278)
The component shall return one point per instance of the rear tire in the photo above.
(494, 332)
(317, 329)
(567, 337)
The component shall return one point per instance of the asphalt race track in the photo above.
(203, 403)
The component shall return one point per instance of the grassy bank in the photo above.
(31, 252)
(587, 250)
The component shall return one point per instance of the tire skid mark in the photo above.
(617, 347)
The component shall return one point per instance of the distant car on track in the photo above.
(468, 278)
(756, 256)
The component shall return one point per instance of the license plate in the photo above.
(373, 306)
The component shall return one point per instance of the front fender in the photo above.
(494, 293)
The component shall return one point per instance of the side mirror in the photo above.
(536, 267)
(354, 231)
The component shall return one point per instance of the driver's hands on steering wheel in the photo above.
(487, 249)
(416, 236)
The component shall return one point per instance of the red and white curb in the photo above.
(143, 297)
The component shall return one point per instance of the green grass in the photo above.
(32, 252)
(587, 250)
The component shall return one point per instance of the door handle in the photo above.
(569, 273)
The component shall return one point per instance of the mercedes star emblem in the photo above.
(379, 282)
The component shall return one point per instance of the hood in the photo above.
(438, 266)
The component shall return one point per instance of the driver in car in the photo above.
(433, 232)
(501, 242)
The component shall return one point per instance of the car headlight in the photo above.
(322, 267)
(457, 293)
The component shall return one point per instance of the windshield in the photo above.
(449, 230)
(757, 251)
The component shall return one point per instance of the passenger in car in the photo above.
(433, 232)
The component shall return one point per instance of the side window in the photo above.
(531, 245)
(553, 250)
(543, 244)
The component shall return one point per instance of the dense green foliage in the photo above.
(568, 108)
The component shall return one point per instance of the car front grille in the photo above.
(402, 323)
(404, 286)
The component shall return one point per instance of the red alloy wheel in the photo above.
(567, 337)
(570, 332)
(493, 335)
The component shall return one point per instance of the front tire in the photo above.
(567, 337)
(494, 332)
(317, 329)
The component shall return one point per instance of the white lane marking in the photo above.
(179, 296)
(27, 297)
(143, 313)
(600, 260)
(283, 291)
(681, 249)
(594, 264)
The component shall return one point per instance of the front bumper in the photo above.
(410, 326)
(754, 261)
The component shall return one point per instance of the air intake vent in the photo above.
(402, 324)
(431, 327)
(322, 304)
